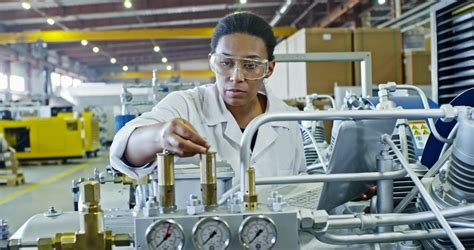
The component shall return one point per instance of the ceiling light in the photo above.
(381, 2)
(169, 67)
(243, 1)
(50, 21)
(125, 68)
(156, 48)
(113, 60)
(127, 4)
(84, 42)
(26, 5)
(44, 45)
(96, 49)
(164, 60)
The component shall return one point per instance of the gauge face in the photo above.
(211, 233)
(165, 234)
(258, 232)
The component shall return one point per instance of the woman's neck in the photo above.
(244, 114)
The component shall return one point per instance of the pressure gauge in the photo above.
(258, 232)
(165, 234)
(211, 233)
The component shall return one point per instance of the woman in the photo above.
(213, 117)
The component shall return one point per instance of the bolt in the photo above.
(52, 210)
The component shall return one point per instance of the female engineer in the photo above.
(213, 117)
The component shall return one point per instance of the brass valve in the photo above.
(208, 180)
(91, 234)
(250, 198)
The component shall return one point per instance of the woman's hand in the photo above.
(180, 137)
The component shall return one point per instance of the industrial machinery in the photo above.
(406, 205)
(91, 132)
(42, 138)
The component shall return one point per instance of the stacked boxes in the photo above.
(385, 45)
(319, 77)
(417, 67)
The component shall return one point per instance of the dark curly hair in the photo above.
(247, 23)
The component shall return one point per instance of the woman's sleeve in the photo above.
(174, 105)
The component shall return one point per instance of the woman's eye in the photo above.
(226, 63)
(250, 65)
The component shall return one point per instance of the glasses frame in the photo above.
(264, 61)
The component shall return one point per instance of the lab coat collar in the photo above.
(215, 112)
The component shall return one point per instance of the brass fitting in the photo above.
(250, 198)
(208, 180)
(91, 234)
(166, 182)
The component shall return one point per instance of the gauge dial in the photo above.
(258, 232)
(211, 233)
(165, 234)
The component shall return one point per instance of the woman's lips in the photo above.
(235, 92)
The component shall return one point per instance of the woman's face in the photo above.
(235, 89)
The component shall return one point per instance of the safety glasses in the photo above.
(251, 69)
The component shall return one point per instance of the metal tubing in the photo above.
(426, 105)
(403, 138)
(392, 237)
(321, 115)
(426, 196)
(300, 179)
(384, 189)
(296, 179)
(343, 222)
(432, 172)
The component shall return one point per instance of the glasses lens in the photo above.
(251, 69)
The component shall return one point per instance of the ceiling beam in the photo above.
(337, 12)
(58, 36)
(161, 74)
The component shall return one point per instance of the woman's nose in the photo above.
(237, 75)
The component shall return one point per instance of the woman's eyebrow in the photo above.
(248, 56)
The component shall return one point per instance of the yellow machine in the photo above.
(45, 138)
(91, 129)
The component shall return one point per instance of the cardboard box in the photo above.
(308, 78)
(417, 67)
(385, 46)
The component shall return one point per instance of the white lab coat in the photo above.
(278, 149)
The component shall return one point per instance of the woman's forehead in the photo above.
(242, 45)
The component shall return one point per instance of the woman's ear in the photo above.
(271, 67)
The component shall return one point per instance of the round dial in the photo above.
(258, 232)
(211, 233)
(165, 234)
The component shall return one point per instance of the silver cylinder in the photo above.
(384, 189)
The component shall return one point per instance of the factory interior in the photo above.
(236, 124)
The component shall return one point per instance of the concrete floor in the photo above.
(47, 185)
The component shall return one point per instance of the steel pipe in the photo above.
(343, 222)
(392, 237)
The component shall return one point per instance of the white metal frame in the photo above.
(365, 59)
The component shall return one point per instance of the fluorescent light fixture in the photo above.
(96, 49)
(156, 48)
(26, 5)
(243, 1)
(84, 42)
(164, 60)
(169, 67)
(113, 60)
(128, 4)
(125, 68)
(381, 2)
(50, 21)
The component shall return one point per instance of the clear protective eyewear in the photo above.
(251, 69)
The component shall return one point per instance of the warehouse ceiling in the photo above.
(172, 15)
